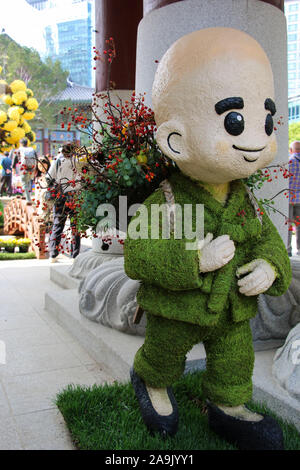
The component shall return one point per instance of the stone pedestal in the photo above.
(286, 364)
(108, 296)
(277, 315)
(101, 252)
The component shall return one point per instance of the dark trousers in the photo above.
(60, 214)
(294, 211)
(5, 184)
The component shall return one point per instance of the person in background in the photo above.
(6, 177)
(28, 161)
(64, 180)
(294, 193)
(41, 184)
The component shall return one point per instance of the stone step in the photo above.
(59, 274)
(104, 344)
(267, 390)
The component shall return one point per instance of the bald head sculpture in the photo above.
(213, 99)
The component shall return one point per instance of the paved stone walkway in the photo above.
(41, 359)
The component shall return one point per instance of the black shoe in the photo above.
(165, 425)
(246, 435)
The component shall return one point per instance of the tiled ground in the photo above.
(41, 359)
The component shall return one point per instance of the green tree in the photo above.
(294, 132)
(46, 78)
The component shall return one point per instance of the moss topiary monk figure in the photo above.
(213, 99)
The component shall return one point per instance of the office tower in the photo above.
(68, 30)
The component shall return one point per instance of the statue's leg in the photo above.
(157, 365)
(229, 364)
(227, 384)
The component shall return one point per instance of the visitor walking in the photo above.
(28, 161)
(41, 187)
(6, 176)
(64, 181)
(294, 194)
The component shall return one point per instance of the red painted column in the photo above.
(150, 5)
(115, 19)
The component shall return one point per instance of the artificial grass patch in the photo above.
(107, 418)
(12, 256)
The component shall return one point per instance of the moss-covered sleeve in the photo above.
(163, 262)
(271, 248)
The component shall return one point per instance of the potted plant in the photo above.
(23, 244)
(9, 245)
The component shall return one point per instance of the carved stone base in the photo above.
(108, 296)
(278, 315)
(87, 262)
(286, 364)
(101, 252)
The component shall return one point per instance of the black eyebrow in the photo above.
(234, 102)
(270, 106)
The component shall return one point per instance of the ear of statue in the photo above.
(170, 139)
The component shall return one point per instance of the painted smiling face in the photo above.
(215, 114)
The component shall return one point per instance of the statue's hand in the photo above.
(261, 277)
(213, 254)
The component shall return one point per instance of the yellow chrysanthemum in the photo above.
(28, 115)
(10, 126)
(16, 135)
(21, 110)
(18, 85)
(29, 92)
(19, 97)
(22, 120)
(10, 140)
(32, 104)
(14, 114)
(3, 117)
(26, 127)
(7, 99)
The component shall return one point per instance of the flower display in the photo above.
(18, 85)
(19, 106)
(124, 160)
(19, 97)
(3, 117)
(32, 104)
(28, 115)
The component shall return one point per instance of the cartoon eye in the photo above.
(269, 124)
(234, 123)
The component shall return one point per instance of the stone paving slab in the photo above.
(41, 359)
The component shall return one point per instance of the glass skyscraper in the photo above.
(292, 13)
(69, 35)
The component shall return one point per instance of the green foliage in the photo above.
(294, 132)
(108, 418)
(47, 78)
(129, 180)
(14, 256)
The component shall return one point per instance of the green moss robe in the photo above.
(171, 284)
